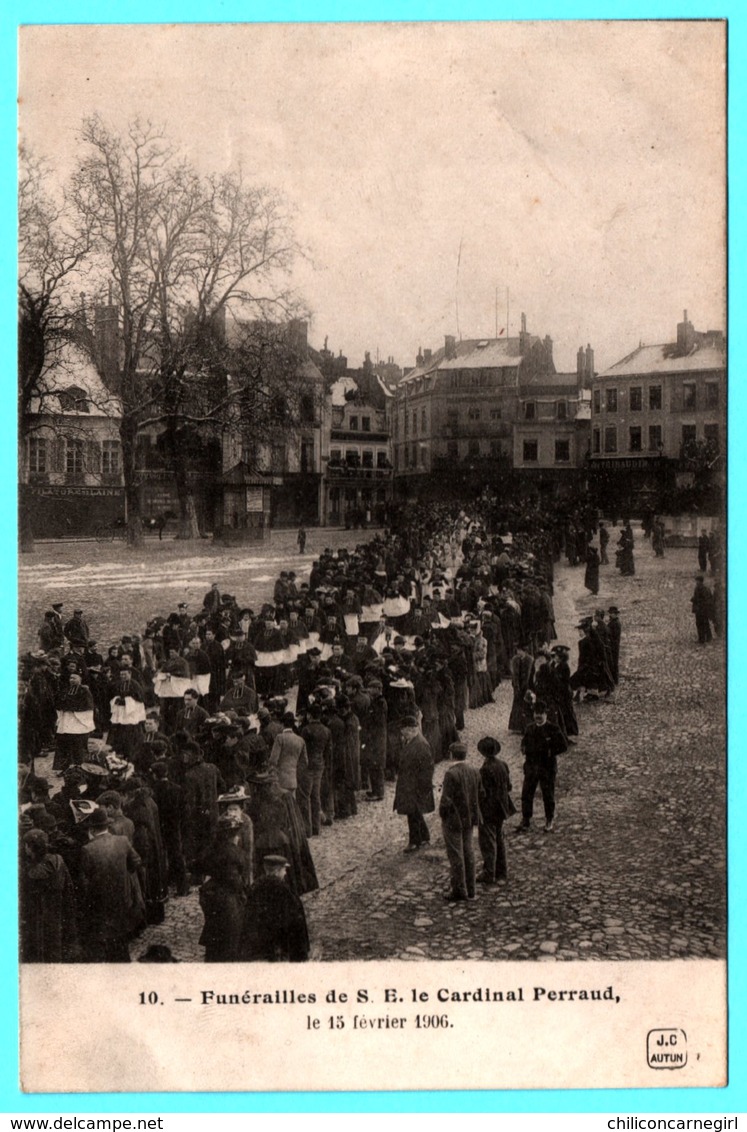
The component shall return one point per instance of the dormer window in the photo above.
(73, 400)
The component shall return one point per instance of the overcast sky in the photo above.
(578, 165)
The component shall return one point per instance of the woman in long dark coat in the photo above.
(47, 907)
(223, 895)
(591, 574)
(626, 561)
(428, 697)
(521, 673)
(563, 691)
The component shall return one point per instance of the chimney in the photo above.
(419, 358)
(106, 337)
(449, 346)
(580, 365)
(523, 336)
(548, 350)
(589, 363)
(685, 335)
(427, 354)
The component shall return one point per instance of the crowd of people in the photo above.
(181, 763)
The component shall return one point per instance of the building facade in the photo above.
(475, 410)
(656, 411)
(70, 462)
(359, 471)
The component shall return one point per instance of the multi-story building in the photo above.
(358, 478)
(551, 432)
(70, 460)
(292, 449)
(458, 410)
(654, 409)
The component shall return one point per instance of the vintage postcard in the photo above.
(372, 452)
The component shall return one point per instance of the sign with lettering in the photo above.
(64, 492)
(254, 499)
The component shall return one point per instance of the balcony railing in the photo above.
(356, 471)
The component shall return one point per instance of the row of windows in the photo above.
(415, 455)
(655, 444)
(530, 451)
(474, 413)
(636, 398)
(365, 424)
(77, 456)
(559, 411)
(366, 457)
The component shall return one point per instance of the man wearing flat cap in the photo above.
(413, 795)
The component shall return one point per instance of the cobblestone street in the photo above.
(636, 868)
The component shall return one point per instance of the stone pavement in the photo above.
(636, 868)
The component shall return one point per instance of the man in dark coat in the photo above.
(308, 675)
(318, 742)
(703, 609)
(202, 785)
(192, 717)
(373, 742)
(169, 799)
(614, 631)
(704, 546)
(275, 928)
(413, 794)
(216, 655)
(76, 630)
(496, 805)
(211, 600)
(540, 746)
(48, 636)
(459, 810)
(111, 903)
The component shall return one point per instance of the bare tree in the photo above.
(52, 245)
(182, 250)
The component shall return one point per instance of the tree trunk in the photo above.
(189, 526)
(127, 436)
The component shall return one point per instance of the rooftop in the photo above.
(664, 358)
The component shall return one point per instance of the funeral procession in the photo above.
(371, 598)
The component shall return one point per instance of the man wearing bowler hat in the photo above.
(111, 899)
(496, 805)
(459, 810)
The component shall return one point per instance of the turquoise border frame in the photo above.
(733, 1098)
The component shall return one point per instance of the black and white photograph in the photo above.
(372, 423)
